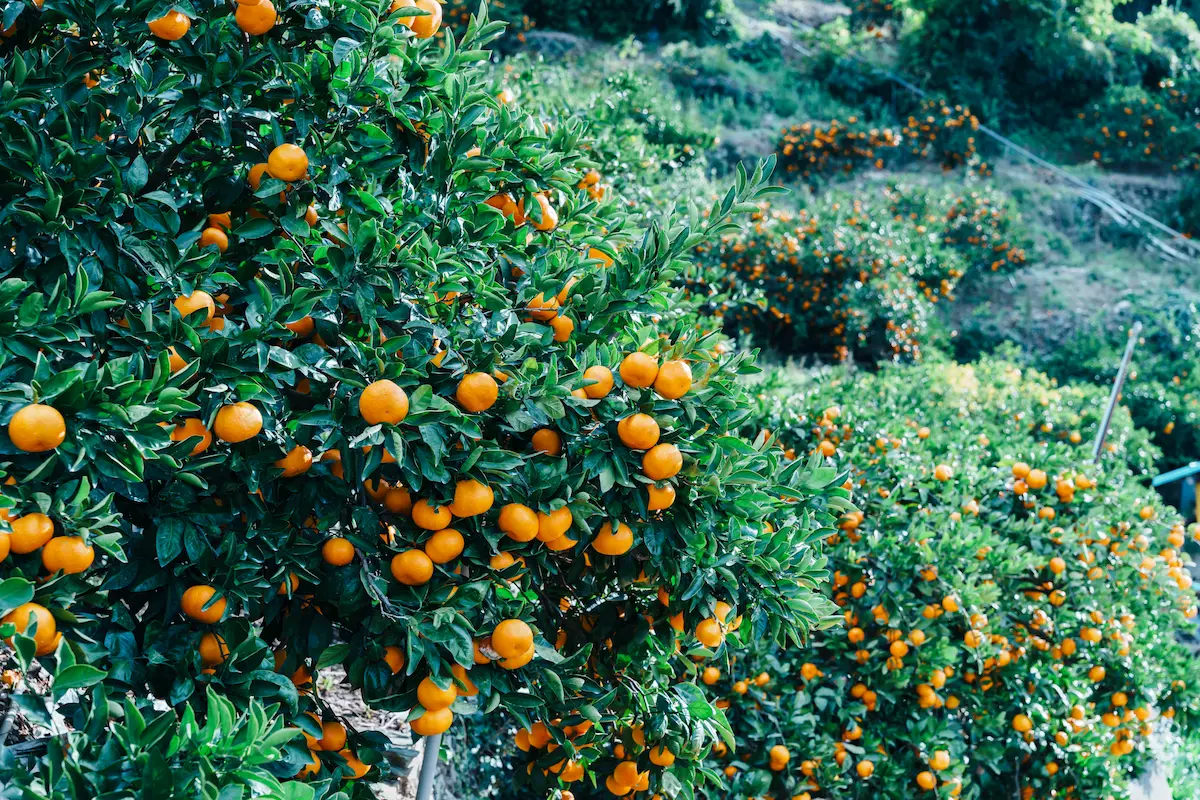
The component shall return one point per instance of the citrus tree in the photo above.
(322, 356)
(1011, 608)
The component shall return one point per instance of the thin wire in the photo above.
(1106, 202)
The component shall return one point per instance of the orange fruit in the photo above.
(674, 380)
(548, 441)
(214, 236)
(561, 543)
(1036, 479)
(638, 431)
(542, 308)
(222, 221)
(213, 650)
(398, 500)
(660, 498)
(189, 428)
(432, 723)
(30, 532)
(554, 525)
(616, 787)
(28, 614)
(477, 391)
(171, 27)
(357, 768)
(549, 219)
(940, 760)
(518, 522)
(196, 301)
(70, 554)
(471, 498)
(194, 600)
(5, 545)
(287, 162)
(865, 769)
(37, 428)
(466, 687)
(383, 402)
(337, 551)
(943, 472)
(600, 381)
(257, 20)
(511, 638)
(443, 547)
(412, 567)
(1022, 723)
(237, 422)
(393, 656)
(255, 175)
(297, 461)
(311, 768)
(639, 370)
(926, 780)
(428, 517)
(661, 462)
(434, 698)
(709, 633)
(333, 735)
(422, 27)
(613, 543)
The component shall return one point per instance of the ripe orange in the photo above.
(237, 422)
(429, 517)
(28, 614)
(477, 392)
(542, 308)
(297, 461)
(710, 675)
(674, 380)
(1036, 479)
(398, 500)
(412, 567)
(433, 697)
(638, 431)
(196, 301)
(466, 687)
(393, 656)
(865, 769)
(518, 522)
(172, 27)
(213, 650)
(661, 462)
(444, 546)
(639, 370)
(194, 600)
(512, 638)
(383, 402)
(548, 441)
(601, 379)
(257, 20)
(471, 498)
(223, 221)
(30, 532)
(37, 428)
(5, 545)
(214, 236)
(613, 543)
(943, 472)
(926, 780)
(660, 498)
(255, 175)
(940, 760)
(287, 162)
(189, 428)
(709, 633)
(1022, 723)
(71, 554)
(337, 551)
(422, 27)
(553, 526)
(432, 723)
(311, 768)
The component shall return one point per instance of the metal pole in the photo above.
(429, 763)
(1122, 373)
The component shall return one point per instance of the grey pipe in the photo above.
(429, 764)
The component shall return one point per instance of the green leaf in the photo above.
(14, 592)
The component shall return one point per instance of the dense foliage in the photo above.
(323, 355)
(1011, 608)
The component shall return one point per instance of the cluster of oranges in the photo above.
(937, 131)
(1134, 127)
(853, 277)
(1005, 601)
